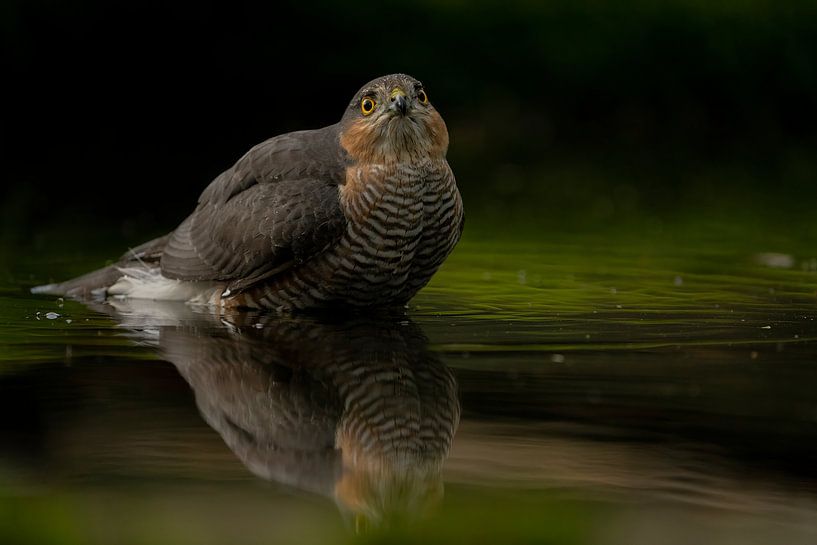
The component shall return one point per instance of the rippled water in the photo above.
(609, 388)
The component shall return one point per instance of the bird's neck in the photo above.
(409, 142)
(367, 185)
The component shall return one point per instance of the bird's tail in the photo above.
(95, 284)
(88, 286)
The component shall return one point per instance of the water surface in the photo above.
(634, 386)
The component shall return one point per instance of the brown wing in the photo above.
(278, 206)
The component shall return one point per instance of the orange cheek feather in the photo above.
(357, 140)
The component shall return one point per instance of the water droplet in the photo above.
(52, 315)
(557, 358)
(678, 281)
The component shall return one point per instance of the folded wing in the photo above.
(277, 207)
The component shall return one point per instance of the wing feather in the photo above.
(277, 206)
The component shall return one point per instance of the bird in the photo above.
(358, 214)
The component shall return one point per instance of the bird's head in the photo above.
(390, 120)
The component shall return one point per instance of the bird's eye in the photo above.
(422, 97)
(367, 105)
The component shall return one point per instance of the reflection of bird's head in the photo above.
(391, 119)
(384, 499)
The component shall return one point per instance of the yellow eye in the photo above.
(367, 105)
(422, 97)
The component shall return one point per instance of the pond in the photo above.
(637, 385)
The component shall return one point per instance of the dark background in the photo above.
(575, 112)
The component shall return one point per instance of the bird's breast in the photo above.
(402, 221)
(384, 208)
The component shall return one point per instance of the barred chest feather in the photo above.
(403, 221)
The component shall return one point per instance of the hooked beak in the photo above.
(399, 102)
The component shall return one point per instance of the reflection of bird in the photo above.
(358, 213)
(358, 410)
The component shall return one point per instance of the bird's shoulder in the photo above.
(308, 154)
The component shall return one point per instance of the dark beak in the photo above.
(399, 104)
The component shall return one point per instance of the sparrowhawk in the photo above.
(359, 213)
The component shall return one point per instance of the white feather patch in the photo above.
(148, 283)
